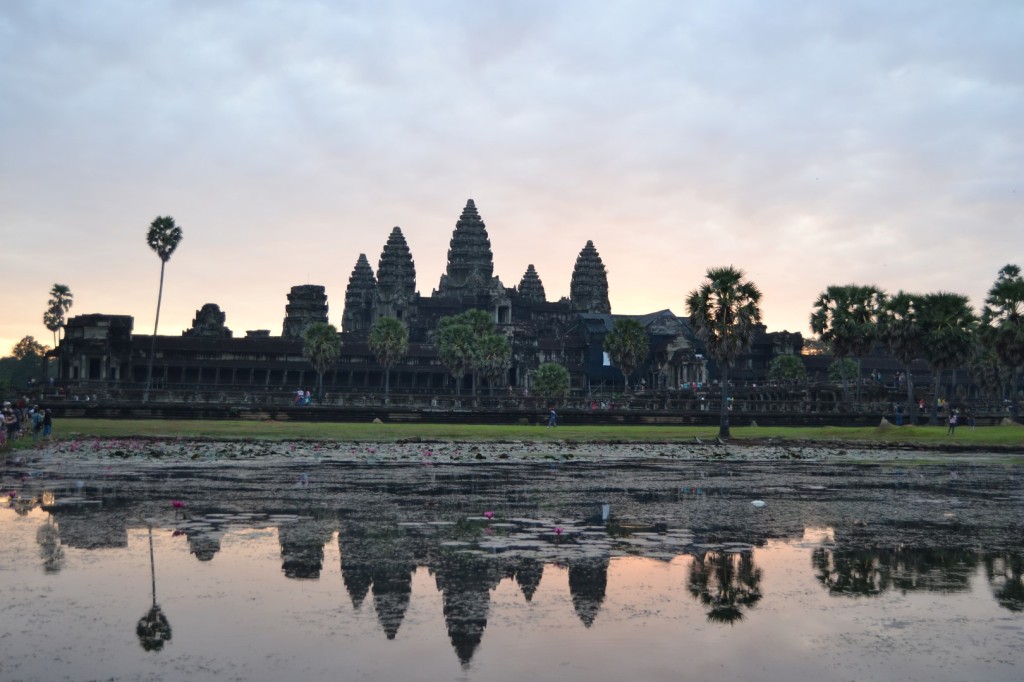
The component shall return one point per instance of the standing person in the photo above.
(952, 422)
(899, 415)
(552, 419)
(37, 424)
(47, 423)
(10, 423)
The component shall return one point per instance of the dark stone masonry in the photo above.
(102, 350)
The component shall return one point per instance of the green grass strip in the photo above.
(927, 436)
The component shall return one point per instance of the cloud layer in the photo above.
(806, 143)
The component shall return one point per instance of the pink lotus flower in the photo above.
(558, 530)
(177, 504)
(488, 515)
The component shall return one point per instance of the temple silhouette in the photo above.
(102, 348)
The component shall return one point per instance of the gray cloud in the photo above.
(808, 143)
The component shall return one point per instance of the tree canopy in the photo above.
(163, 237)
(28, 347)
(494, 358)
(321, 345)
(389, 342)
(843, 369)
(899, 328)
(550, 381)
(1002, 317)
(60, 302)
(627, 346)
(725, 311)
(948, 325)
(465, 344)
(787, 368)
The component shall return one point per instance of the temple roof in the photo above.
(470, 260)
(362, 285)
(530, 286)
(396, 271)
(589, 288)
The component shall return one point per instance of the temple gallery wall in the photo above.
(100, 348)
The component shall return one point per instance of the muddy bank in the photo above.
(109, 452)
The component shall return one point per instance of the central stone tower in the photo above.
(470, 261)
(588, 290)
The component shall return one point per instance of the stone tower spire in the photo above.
(530, 286)
(588, 291)
(362, 286)
(307, 303)
(470, 261)
(396, 277)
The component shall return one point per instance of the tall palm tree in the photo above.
(1002, 321)
(494, 358)
(153, 629)
(900, 329)
(482, 325)
(460, 340)
(321, 345)
(725, 312)
(991, 375)
(61, 300)
(389, 341)
(948, 325)
(163, 237)
(455, 348)
(846, 317)
(53, 321)
(627, 346)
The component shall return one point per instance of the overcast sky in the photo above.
(808, 143)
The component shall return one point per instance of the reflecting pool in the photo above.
(396, 571)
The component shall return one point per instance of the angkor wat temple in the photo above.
(570, 331)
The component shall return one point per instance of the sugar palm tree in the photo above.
(991, 375)
(1002, 321)
(389, 341)
(163, 237)
(455, 348)
(725, 311)
(482, 325)
(321, 345)
(900, 328)
(846, 317)
(493, 358)
(153, 629)
(460, 341)
(948, 325)
(61, 300)
(627, 346)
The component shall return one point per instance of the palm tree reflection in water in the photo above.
(153, 628)
(50, 550)
(728, 582)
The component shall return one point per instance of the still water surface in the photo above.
(509, 573)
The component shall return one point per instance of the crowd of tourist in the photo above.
(21, 420)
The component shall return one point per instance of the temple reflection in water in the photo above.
(473, 531)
